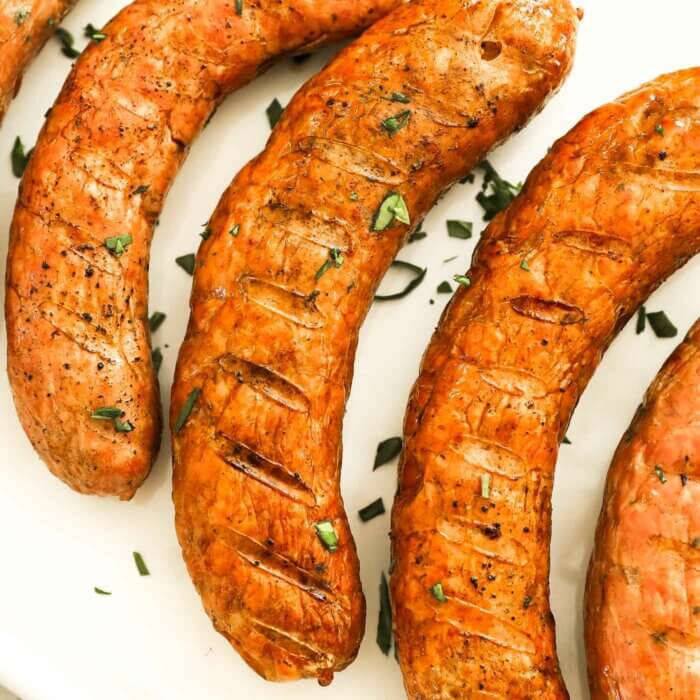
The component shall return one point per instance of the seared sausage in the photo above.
(642, 608)
(76, 309)
(298, 246)
(610, 212)
(24, 28)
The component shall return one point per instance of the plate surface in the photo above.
(151, 639)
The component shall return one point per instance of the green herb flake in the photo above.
(696, 610)
(399, 97)
(326, 533)
(393, 124)
(444, 287)
(234, 230)
(372, 510)
(393, 207)
(417, 236)
(354, 196)
(117, 245)
(418, 277)
(156, 359)
(123, 427)
(641, 319)
(459, 229)
(525, 265)
(661, 325)
(67, 42)
(206, 233)
(335, 259)
(438, 593)
(660, 474)
(141, 189)
(659, 637)
(496, 193)
(386, 451)
(156, 320)
(274, 112)
(566, 441)
(485, 485)
(186, 409)
(695, 542)
(659, 129)
(141, 565)
(450, 259)
(19, 158)
(106, 413)
(384, 626)
(186, 262)
(464, 280)
(100, 591)
(527, 602)
(21, 17)
(239, 7)
(96, 35)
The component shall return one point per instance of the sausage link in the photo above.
(280, 291)
(642, 608)
(78, 339)
(24, 29)
(610, 212)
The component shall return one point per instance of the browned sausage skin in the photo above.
(280, 291)
(642, 609)
(610, 212)
(24, 28)
(76, 312)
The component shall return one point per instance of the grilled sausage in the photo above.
(610, 212)
(24, 28)
(642, 608)
(78, 341)
(298, 246)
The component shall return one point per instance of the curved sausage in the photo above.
(642, 608)
(24, 29)
(298, 246)
(78, 341)
(610, 212)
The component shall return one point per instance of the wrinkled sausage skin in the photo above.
(611, 211)
(24, 28)
(642, 608)
(76, 313)
(276, 312)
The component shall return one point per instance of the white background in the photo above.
(151, 639)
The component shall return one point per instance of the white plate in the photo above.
(151, 639)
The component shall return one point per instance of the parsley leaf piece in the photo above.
(463, 280)
(99, 591)
(156, 320)
(387, 450)
(384, 626)
(335, 259)
(372, 510)
(641, 319)
(93, 33)
(141, 565)
(393, 124)
(186, 409)
(274, 112)
(393, 207)
(661, 325)
(117, 245)
(419, 276)
(156, 359)
(186, 262)
(459, 229)
(444, 288)
(502, 192)
(438, 592)
(234, 230)
(399, 97)
(67, 41)
(326, 533)
(19, 157)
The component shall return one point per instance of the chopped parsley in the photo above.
(399, 97)
(444, 287)
(111, 413)
(156, 359)
(335, 259)
(660, 474)
(459, 229)
(496, 193)
(641, 319)
(96, 35)
(67, 43)
(326, 533)
(419, 276)
(156, 320)
(274, 112)
(525, 265)
(464, 280)
(661, 325)
(485, 485)
(234, 230)
(21, 17)
(239, 7)
(186, 262)
(19, 158)
(372, 510)
(387, 450)
(393, 124)
(392, 208)
(438, 593)
(384, 626)
(141, 565)
(117, 245)
(186, 409)
(100, 591)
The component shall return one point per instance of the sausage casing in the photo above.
(297, 248)
(76, 311)
(642, 609)
(610, 212)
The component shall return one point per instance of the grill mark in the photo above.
(462, 532)
(689, 554)
(515, 382)
(261, 558)
(266, 381)
(289, 304)
(666, 178)
(85, 334)
(353, 159)
(263, 470)
(97, 257)
(491, 457)
(595, 242)
(474, 621)
(309, 225)
(286, 641)
(547, 310)
(100, 170)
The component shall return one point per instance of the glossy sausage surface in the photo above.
(24, 28)
(76, 311)
(642, 610)
(282, 285)
(612, 210)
